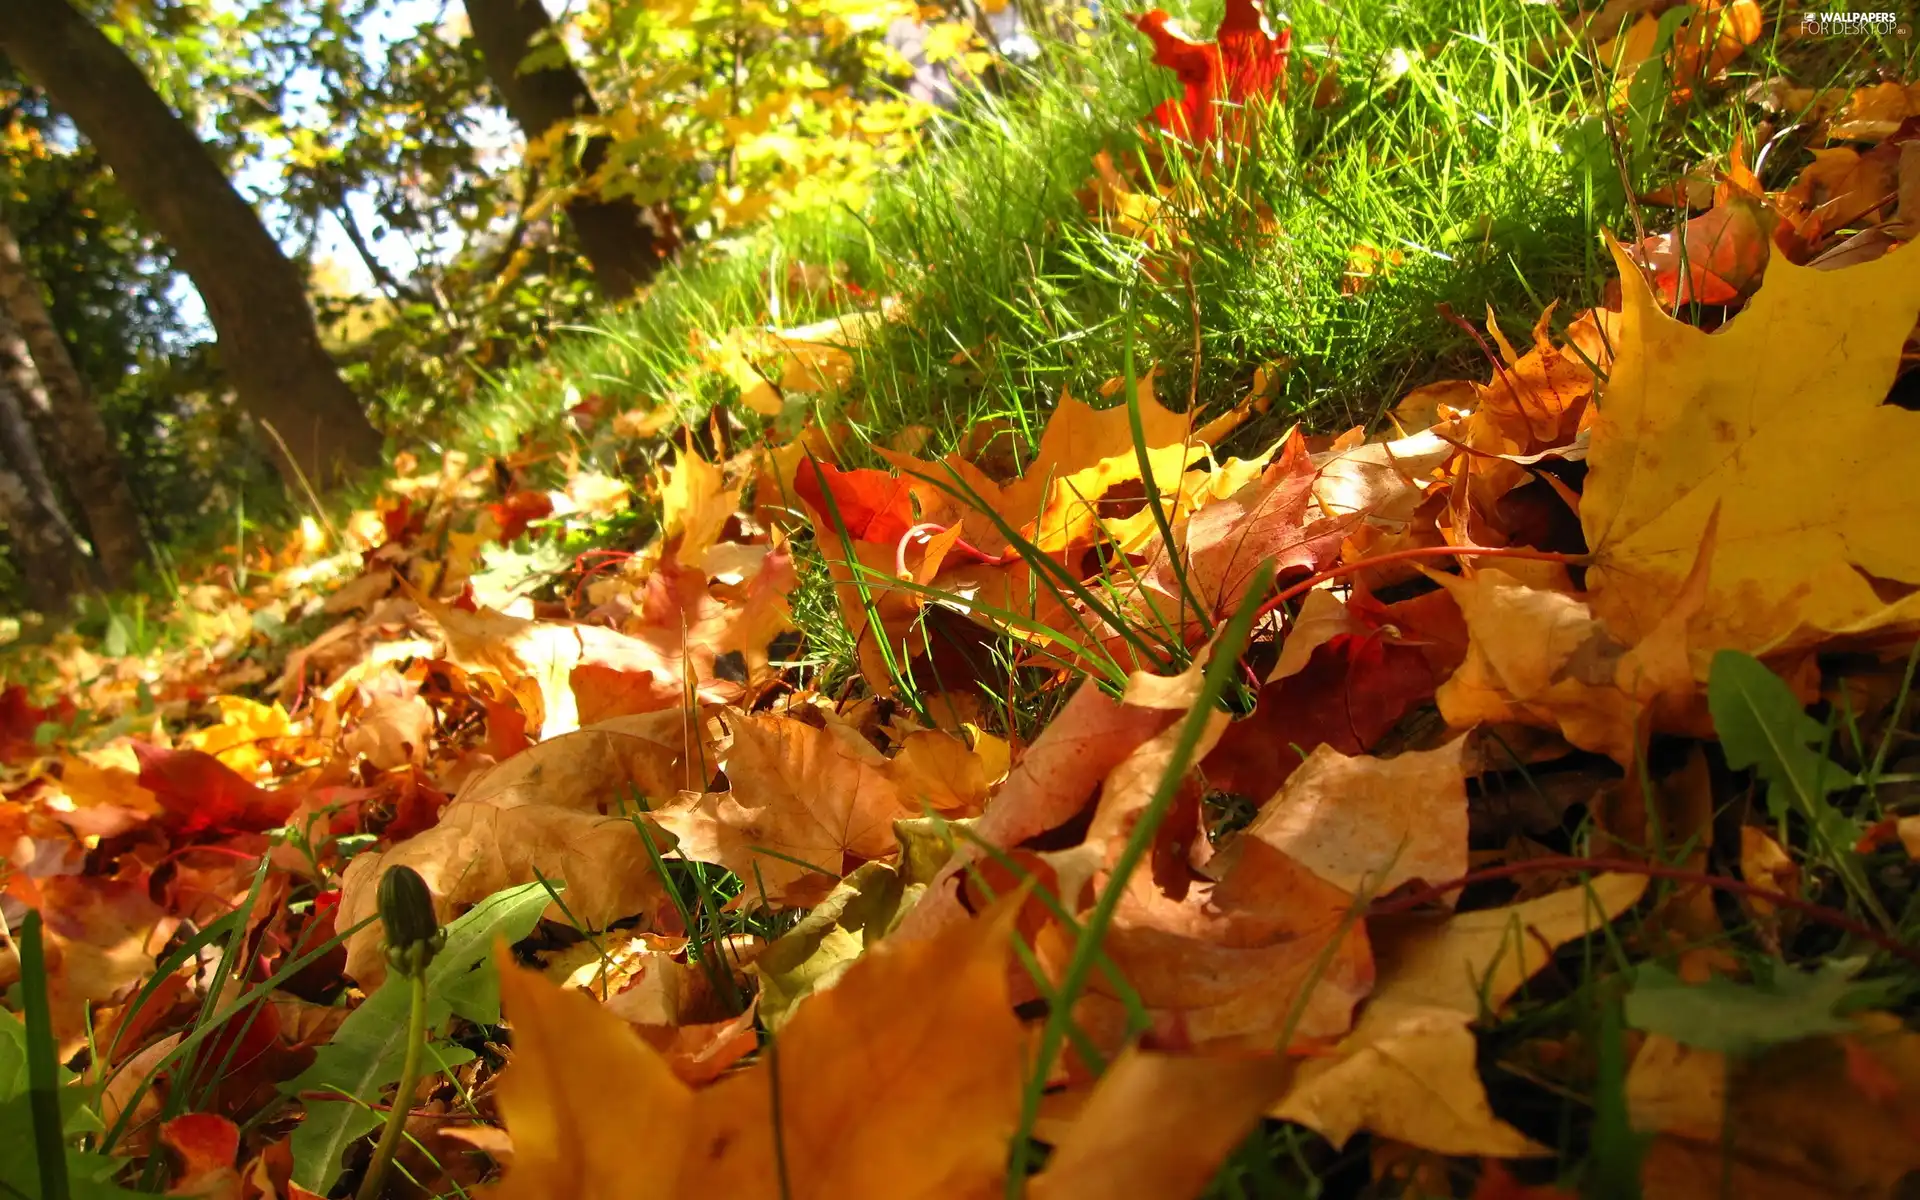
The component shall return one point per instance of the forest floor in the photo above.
(1115, 671)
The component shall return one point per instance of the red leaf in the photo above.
(875, 506)
(19, 719)
(1350, 693)
(1716, 258)
(506, 728)
(201, 793)
(205, 1143)
(1245, 65)
(237, 1042)
(415, 803)
(321, 977)
(1268, 518)
(1498, 1183)
(401, 523)
(519, 510)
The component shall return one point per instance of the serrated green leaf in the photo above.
(1763, 726)
(366, 1052)
(1742, 1018)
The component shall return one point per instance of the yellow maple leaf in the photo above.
(245, 735)
(1777, 420)
(1084, 451)
(695, 505)
(903, 1080)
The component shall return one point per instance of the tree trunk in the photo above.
(62, 411)
(615, 237)
(255, 296)
(46, 550)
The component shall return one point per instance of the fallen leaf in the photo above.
(1243, 68)
(1765, 865)
(1084, 451)
(206, 1146)
(872, 506)
(802, 802)
(1410, 1074)
(1160, 1125)
(1368, 825)
(1875, 112)
(567, 809)
(1407, 1071)
(1267, 519)
(512, 514)
(1539, 658)
(695, 506)
(1789, 1125)
(903, 1080)
(1476, 961)
(20, 721)
(200, 794)
(392, 732)
(1048, 787)
(1352, 690)
(101, 936)
(938, 770)
(1717, 257)
(1693, 422)
(1270, 952)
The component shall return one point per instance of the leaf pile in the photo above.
(1184, 787)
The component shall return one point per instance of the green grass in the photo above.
(1446, 146)
(1470, 141)
(1449, 148)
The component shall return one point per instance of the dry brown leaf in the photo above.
(101, 936)
(1272, 517)
(1048, 787)
(392, 732)
(1409, 1074)
(1540, 658)
(555, 808)
(1270, 952)
(803, 803)
(1814, 1119)
(1407, 1071)
(1485, 956)
(1371, 824)
(1383, 482)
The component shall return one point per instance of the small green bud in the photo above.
(414, 935)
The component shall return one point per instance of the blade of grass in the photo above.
(903, 684)
(43, 1065)
(1221, 670)
(203, 1030)
(1137, 427)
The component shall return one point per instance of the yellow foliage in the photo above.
(794, 120)
(1777, 422)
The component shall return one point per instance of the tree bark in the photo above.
(61, 409)
(255, 296)
(46, 549)
(613, 233)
